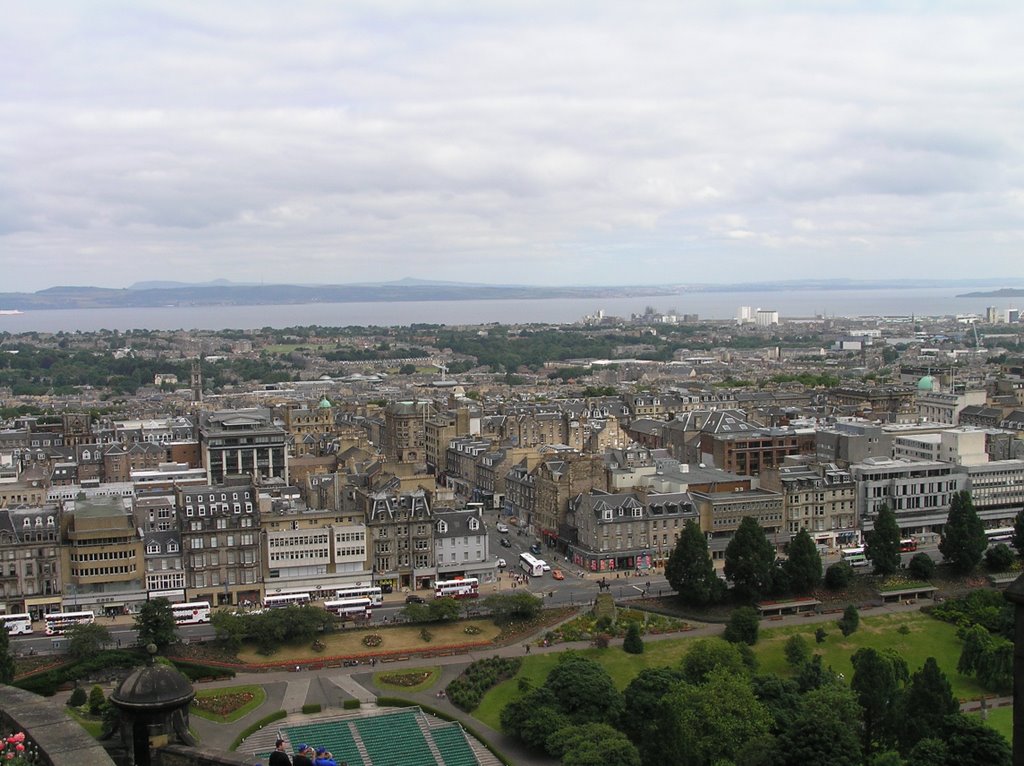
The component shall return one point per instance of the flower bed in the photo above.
(372, 640)
(406, 680)
(224, 704)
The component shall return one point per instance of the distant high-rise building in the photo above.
(766, 317)
(744, 315)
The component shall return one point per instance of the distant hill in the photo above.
(1005, 292)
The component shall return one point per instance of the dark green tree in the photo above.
(1018, 532)
(820, 634)
(823, 730)
(96, 700)
(708, 654)
(78, 697)
(838, 575)
(87, 640)
(154, 624)
(878, 679)
(803, 565)
(797, 650)
(968, 740)
(814, 675)
(781, 696)
(584, 690)
(513, 607)
(533, 718)
(926, 703)
(593, 744)
(644, 693)
(633, 644)
(742, 627)
(749, 560)
(883, 542)
(922, 566)
(6, 660)
(928, 752)
(999, 558)
(963, 540)
(690, 570)
(850, 620)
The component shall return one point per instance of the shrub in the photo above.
(839, 575)
(850, 620)
(350, 705)
(426, 635)
(466, 691)
(742, 627)
(633, 643)
(312, 707)
(820, 635)
(602, 640)
(78, 697)
(999, 558)
(922, 566)
(96, 700)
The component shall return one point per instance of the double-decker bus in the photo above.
(908, 545)
(855, 557)
(17, 624)
(999, 535)
(192, 613)
(58, 623)
(530, 564)
(350, 608)
(286, 599)
(372, 592)
(467, 587)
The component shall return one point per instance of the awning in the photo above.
(40, 600)
(112, 606)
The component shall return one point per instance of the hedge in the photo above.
(253, 728)
(350, 705)
(46, 683)
(312, 707)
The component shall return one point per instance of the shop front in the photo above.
(37, 606)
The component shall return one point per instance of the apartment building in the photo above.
(243, 442)
(400, 531)
(461, 546)
(30, 561)
(157, 517)
(818, 498)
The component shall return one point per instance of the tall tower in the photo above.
(197, 381)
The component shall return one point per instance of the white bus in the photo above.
(17, 624)
(999, 535)
(192, 613)
(372, 592)
(855, 557)
(467, 587)
(350, 608)
(57, 623)
(286, 599)
(530, 564)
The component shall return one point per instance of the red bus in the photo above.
(908, 545)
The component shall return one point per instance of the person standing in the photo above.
(302, 756)
(324, 758)
(279, 757)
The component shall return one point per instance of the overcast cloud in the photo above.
(527, 142)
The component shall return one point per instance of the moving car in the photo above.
(506, 543)
(412, 598)
(557, 574)
(501, 564)
(503, 528)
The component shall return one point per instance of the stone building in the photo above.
(30, 579)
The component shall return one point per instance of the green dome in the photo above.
(927, 383)
(325, 403)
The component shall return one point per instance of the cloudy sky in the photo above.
(542, 142)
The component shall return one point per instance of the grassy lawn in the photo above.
(396, 680)
(1001, 719)
(927, 637)
(397, 638)
(259, 697)
(92, 725)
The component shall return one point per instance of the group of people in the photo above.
(305, 755)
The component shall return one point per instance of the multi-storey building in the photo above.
(997, 490)
(461, 546)
(918, 491)
(404, 430)
(521, 492)
(559, 479)
(30, 579)
(818, 498)
(722, 512)
(242, 443)
(310, 429)
(945, 407)
(401, 536)
(461, 460)
(103, 556)
(851, 441)
(220, 528)
(438, 432)
(751, 452)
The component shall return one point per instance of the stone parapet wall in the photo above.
(182, 755)
(58, 737)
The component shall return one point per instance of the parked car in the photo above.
(506, 543)
(412, 598)
(502, 528)
(501, 564)
(557, 574)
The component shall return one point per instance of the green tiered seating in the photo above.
(451, 742)
(334, 735)
(395, 740)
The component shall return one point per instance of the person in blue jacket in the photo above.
(324, 758)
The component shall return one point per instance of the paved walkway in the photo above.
(290, 690)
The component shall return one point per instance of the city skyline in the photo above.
(513, 143)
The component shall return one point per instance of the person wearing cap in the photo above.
(302, 756)
(279, 757)
(324, 758)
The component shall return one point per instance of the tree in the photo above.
(533, 718)
(922, 566)
(155, 624)
(838, 575)
(6, 660)
(968, 740)
(999, 558)
(512, 607)
(803, 565)
(883, 543)
(708, 654)
(1018, 532)
(86, 640)
(633, 644)
(823, 729)
(78, 697)
(963, 539)
(593, 744)
(742, 627)
(583, 690)
(820, 635)
(926, 704)
(797, 650)
(850, 620)
(96, 700)
(644, 693)
(878, 678)
(749, 560)
(690, 570)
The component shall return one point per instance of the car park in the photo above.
(412, 598)
(557, 574)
